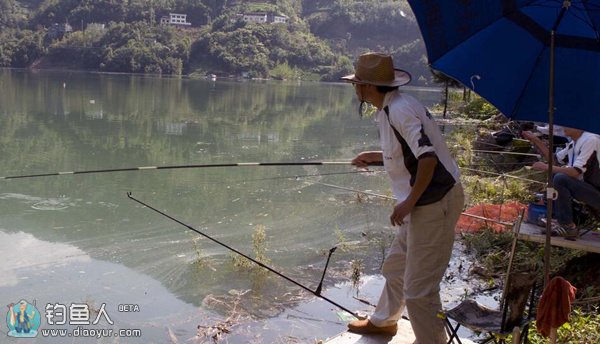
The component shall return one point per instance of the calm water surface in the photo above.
(78, 239)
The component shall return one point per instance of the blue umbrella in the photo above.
(536, 60)
(501, 49)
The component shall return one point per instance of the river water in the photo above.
(79, 240)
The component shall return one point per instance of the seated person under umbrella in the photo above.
(576, 175)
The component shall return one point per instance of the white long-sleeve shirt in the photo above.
(419, 136)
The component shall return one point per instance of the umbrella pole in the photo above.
(550, 192)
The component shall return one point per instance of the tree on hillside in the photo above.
(239, 51)
(7, 12)
(131, 48)
(20, 48)
(366, 19)
(234, 46)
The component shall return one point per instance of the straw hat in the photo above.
(377, 69)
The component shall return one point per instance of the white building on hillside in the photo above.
(280, 19)
(175, 19)
(95, 27)
(255, 17)
(263, 18)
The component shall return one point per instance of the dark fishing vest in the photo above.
(442, 180)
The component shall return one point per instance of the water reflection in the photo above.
(50, 273)
(31, 258)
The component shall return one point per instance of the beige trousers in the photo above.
(415, 265)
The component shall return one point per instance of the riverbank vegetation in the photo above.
(314, 40)
(485, 179)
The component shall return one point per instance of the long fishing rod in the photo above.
(316, 292)
(172, 167)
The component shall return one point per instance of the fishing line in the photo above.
(504, 175)
(303, 176)
(483, 143)
(172, 167)
(449, 122)
(288, 177)
(354, 190)
(316, 292)
(488, 219)
(504, 152)
(491, 162)
(393, 198)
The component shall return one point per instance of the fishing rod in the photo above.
(172, 167)
(316, 292)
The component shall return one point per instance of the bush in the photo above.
(283, 71)
(479, 108)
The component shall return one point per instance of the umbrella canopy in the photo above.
(501, 50)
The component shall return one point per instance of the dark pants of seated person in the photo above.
(570, 188)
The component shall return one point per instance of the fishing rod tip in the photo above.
(129, 194)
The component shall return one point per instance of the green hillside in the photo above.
(317, 40)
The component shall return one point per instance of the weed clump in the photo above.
(259, 247)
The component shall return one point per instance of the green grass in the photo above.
(583, 327)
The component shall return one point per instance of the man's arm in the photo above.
(539, 144)
(568, 170)
(425, 169)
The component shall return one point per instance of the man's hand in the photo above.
(539, 166)
(401, 210)
(364, 159)
(425, 169)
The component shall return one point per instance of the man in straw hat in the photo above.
(425, 182)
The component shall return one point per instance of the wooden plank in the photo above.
(405, 335)
(589, 241)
